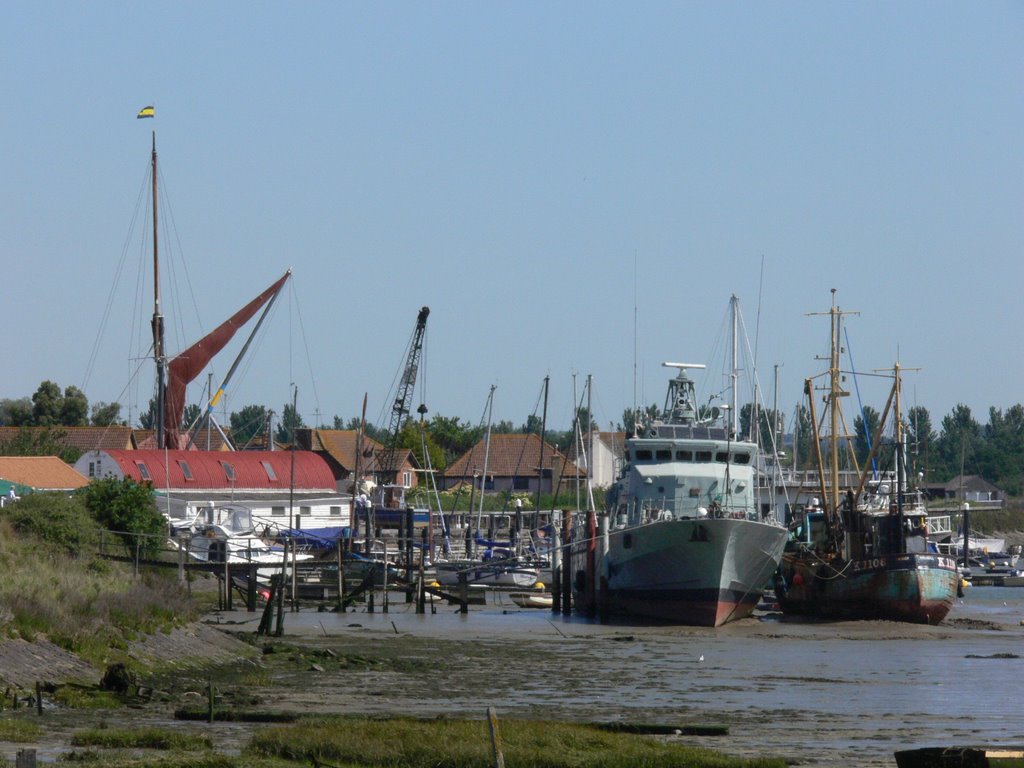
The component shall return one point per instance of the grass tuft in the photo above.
(412, 743)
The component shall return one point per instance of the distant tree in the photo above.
(147, 418)
(959, 442)
(412, 439)
(503, 427)
(920, 438)
(452, 436)
(766, 419)
(190, 416)
(290, 421)
(533, 425)
(803, 456)
(74, 411)
(631, 418)
(49, 441)
(1002, 453)
(47, 403)
(864, 426)
(247, 423)
(127, 508)
(105, 414)
(16, 413)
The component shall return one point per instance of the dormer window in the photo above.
(229, 471)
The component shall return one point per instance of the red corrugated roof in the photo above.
(209, 469)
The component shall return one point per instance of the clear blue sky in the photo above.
(532, 172)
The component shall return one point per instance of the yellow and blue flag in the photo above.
(146, 112)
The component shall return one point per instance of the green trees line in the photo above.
(994, 450)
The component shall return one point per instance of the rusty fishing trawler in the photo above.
(863, 552)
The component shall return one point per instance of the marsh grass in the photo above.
(19, 730)
(444, 743)
(141, 738)
(109, 759)
(85, 697)
(54, 585)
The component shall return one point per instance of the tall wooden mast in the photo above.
(158, 319)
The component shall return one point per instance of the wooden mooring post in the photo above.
(590, 589)
(556, 568)
(567, 564)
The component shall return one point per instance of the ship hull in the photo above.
(702, 572)
(909, 587)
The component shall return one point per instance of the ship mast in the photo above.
(158, 320)
(835, 391)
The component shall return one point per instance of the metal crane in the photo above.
(400, 410)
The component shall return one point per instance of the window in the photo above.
(229, 471)
(703, 455)
(663, 455)
(520, 483)
(741, 458)
(143, 470)
(92, 469)
(277, 511)
(305, 510)
(722, 456)
(684, 455)
(185, 469)
(335, 510)
(407, 479)
(643, 455)
(269, 470)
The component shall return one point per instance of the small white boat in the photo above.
(492, 573)
(532, 599)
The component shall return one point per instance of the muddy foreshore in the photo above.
(815, 693)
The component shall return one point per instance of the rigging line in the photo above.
(757, 321)
(470, 455)
(166, 198)
(860, 404)
(173, 314)
(305, 343)
(118, 272)
(135, 340)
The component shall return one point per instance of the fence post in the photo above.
(492, 720)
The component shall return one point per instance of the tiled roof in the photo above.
(81, 438)
(511, 455)
(340, 445)
(43, 473)
(145, 439)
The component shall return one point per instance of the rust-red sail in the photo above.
(190, 363)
